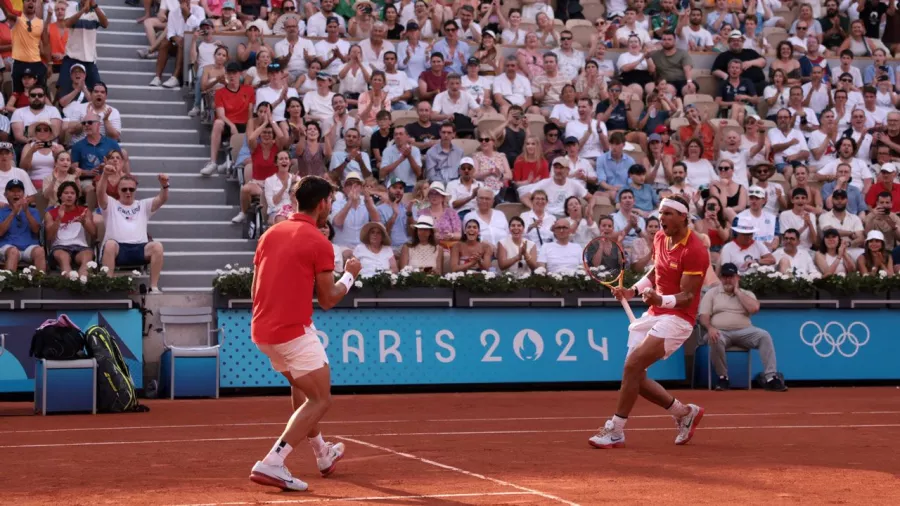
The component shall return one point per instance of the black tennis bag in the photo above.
(115, 388)
(58, 342)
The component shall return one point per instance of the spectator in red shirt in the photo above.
(698, 127)
(885, 184)
(233, 104)
(265, 141)
(530, 166)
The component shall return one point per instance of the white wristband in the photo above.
(643, 284)
(668, 301)
(347, 280)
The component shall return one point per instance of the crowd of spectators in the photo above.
(68, 193)
(488, 133)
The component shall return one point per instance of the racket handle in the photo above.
(628, 310)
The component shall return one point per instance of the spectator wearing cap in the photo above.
(74, 103)
(756, 217)
(88, 153)
(411, 52)
(402, 159)
(37, 109)
(228, 22)
(560, 255)
(399, 87)
(317, 24)
(875, 257)
(395, 214)
(744, 251)
(423, 253)
(332, 51)
(353, 208)
(464, 190)
(294, 52)
(20, 227)
(8, 172)
(232, 103)
(835, 258)
(434, 80)
(612, 166)
(352, 159)
(26, 43)
(581, 170)
(558, 188)
(203, 54)
(478, 86)
(792, 257)
(83, 20)
(374, 250)
(493, 224)
(848, 225)
(184, 19)
(375, 46)
(488, 53)
(39, 154)
(799, 219)
(753, 62)
(20, 98)
(443, 158)
(455, 52)
(725, 312)
(69, 230)
(272, 92)
(319, 104)
(856, 203)
(887, 173)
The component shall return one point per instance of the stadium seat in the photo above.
(401, 118)
(190, 371)
(510, 210)
(490, 121)
(536, 124)
(469, 146)
(730, 349)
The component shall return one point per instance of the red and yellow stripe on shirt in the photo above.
(688, 257)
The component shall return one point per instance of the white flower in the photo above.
(136, 273)
(28, 276)
(83, 279)
(129, 279)
(73, 275)
(842, 274)
(104, 269)
(228, 267)
(358, 284)
(540, 270)
(490, 275)
(766, 268)
(92, 265)
(245, 270)
(219, 272)
(2, 278)
(882, 274)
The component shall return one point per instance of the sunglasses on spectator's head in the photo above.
(127, 190)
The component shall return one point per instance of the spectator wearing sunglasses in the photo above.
(88, 153)
(20, 226)
(37, 109)
(126, 241)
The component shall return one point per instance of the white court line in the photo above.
(369, 498)
(462, 471)
(449, 433)
(441, 420)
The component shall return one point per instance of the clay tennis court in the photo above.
(807, 446)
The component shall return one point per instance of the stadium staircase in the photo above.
(195, 225)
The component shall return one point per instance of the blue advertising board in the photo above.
(17, 367)
(451, 346)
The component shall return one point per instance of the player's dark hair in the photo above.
(310, 191)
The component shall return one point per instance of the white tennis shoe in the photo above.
(608, 437)
(688, 424)
(276, 476)
(328, 463)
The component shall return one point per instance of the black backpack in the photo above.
(115, 388)
(58, 342)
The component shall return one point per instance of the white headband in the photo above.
(674, 204)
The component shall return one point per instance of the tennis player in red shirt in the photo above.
(672, 290)
(292, 259)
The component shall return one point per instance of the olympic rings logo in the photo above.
(835, 338)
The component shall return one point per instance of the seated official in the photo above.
(126, 241)
(70, 230)
(725, 313)
(20, 228)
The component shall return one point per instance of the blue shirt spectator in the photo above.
(856, 201)
(869, 75)
(452, 61)
(404, 166)
(645, 197)
(19, 233)
(88, 155)
(612, 171)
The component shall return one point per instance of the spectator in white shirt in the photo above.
(37, 109)
(692, 36)
(453, 101)
(764, 222)
(399, 86)
(277, 91)
(570, 61)
(822, 142)
(538, 222)
(316, 25)
(353, 208)
(126, 241)
(186, 18)
(628, 28)
(512, 88)
(792, 259)
(849, 226)
(8, 172)
(558, 188)
(319, 104)
(277, 189)
(560, 255)
(493, 224)
(744, 251)
(464, 191)
(294, 52)
(800, 220)
(332, 51)
(788, 143)
(374, 48)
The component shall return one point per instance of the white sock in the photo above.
(278, 453)
(678, 410)
(619, 422)
(318, 445)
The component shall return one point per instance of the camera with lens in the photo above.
(367, 10)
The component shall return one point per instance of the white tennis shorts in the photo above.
(673, 329)
(297, 357)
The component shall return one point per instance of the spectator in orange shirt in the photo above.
(59, 36)
(698, 127)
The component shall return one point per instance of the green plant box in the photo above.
(16, 296)
(73, 300)
(416, 297)
(517, 298)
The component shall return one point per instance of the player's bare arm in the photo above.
(328, 291)
(630, 293)
(690, 285)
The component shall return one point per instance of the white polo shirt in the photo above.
(776, 136)
(297, 63)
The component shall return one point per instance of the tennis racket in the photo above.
(604, 261)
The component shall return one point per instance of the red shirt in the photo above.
(707, 137)
(288, 258)
(523, 169)
(875, 189)
(236, 103)
(688, 258)
(264, 167)
(435, 82)
(68, 217)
